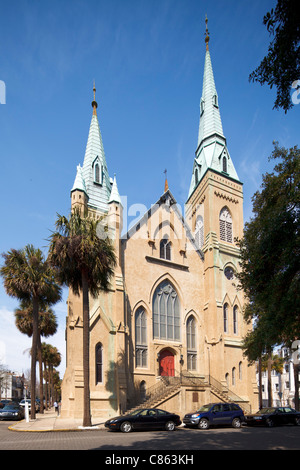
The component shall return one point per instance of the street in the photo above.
(179, 442)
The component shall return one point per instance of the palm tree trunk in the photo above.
(296, 377)
(51, 384)
(41, 374)
(87, 421)
(270, 398)
(35, 320)
(46, 385)
(260, 383)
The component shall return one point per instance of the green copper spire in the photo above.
(212, 152)
(94, 170)
(114, 195)
(210, 118)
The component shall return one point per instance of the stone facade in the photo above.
(172, 321)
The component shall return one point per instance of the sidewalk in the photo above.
(49, 421)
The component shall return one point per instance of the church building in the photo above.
(169, 331)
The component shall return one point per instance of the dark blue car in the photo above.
(215, 414)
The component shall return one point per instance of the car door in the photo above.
(289, 415)
(146, 419)
(280, 416)
(227, 414)
(216, 415)
(162, 418)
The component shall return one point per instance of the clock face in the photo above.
(229, 273)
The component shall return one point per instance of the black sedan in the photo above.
(145, 418)
(12, 412)
(274, 416)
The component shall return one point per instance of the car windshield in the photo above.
(205, 408)
(136, 412)
(10, 407)
(266, 411)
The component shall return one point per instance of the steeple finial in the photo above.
(206, 33)
(166, 181)
(94, 102)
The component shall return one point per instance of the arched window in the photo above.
(97, 173)
(199, 232)
(166, 312)
(227, 379)
(235, 319)
(225, 318)
(233, 376)
(201, 106)
(240, 370)
(225, 225)
(191, 343)
(165, 249)
(99, 363)
(225, 164)
(196, 177)
(141, 347)
(143, 391)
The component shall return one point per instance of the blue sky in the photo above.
(147, 59)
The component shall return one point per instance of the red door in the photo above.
(166, 363)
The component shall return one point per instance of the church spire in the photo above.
(211, 152)
(210, 117)
(94, 172)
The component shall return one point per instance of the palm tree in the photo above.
(85, 263)
(45, 355)
(271, 362)
(47, 327)
(29, 277)
(53, 360)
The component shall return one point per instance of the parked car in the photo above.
(274, 416)
(12, 411)
(146, 418)
(22, 403)
(215, 414)
(4, 402)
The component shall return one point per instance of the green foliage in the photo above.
(30, 278)
(281, 66)
(76, 248)
(270, 255)
(24, 320)
(27, 276)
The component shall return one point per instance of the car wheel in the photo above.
(203, 424)
(270, 423)
(126, 426)
(170, 426)
(297, 421)
(236, 423)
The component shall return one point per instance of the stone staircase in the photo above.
(170, 386)
(159, 393)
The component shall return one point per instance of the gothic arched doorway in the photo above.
(166, 363)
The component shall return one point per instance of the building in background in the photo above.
(283, 384)
(11, 385)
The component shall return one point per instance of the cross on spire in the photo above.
(166, 181)
(206, 33)
(94, 102)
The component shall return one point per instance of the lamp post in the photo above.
(26, 408)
